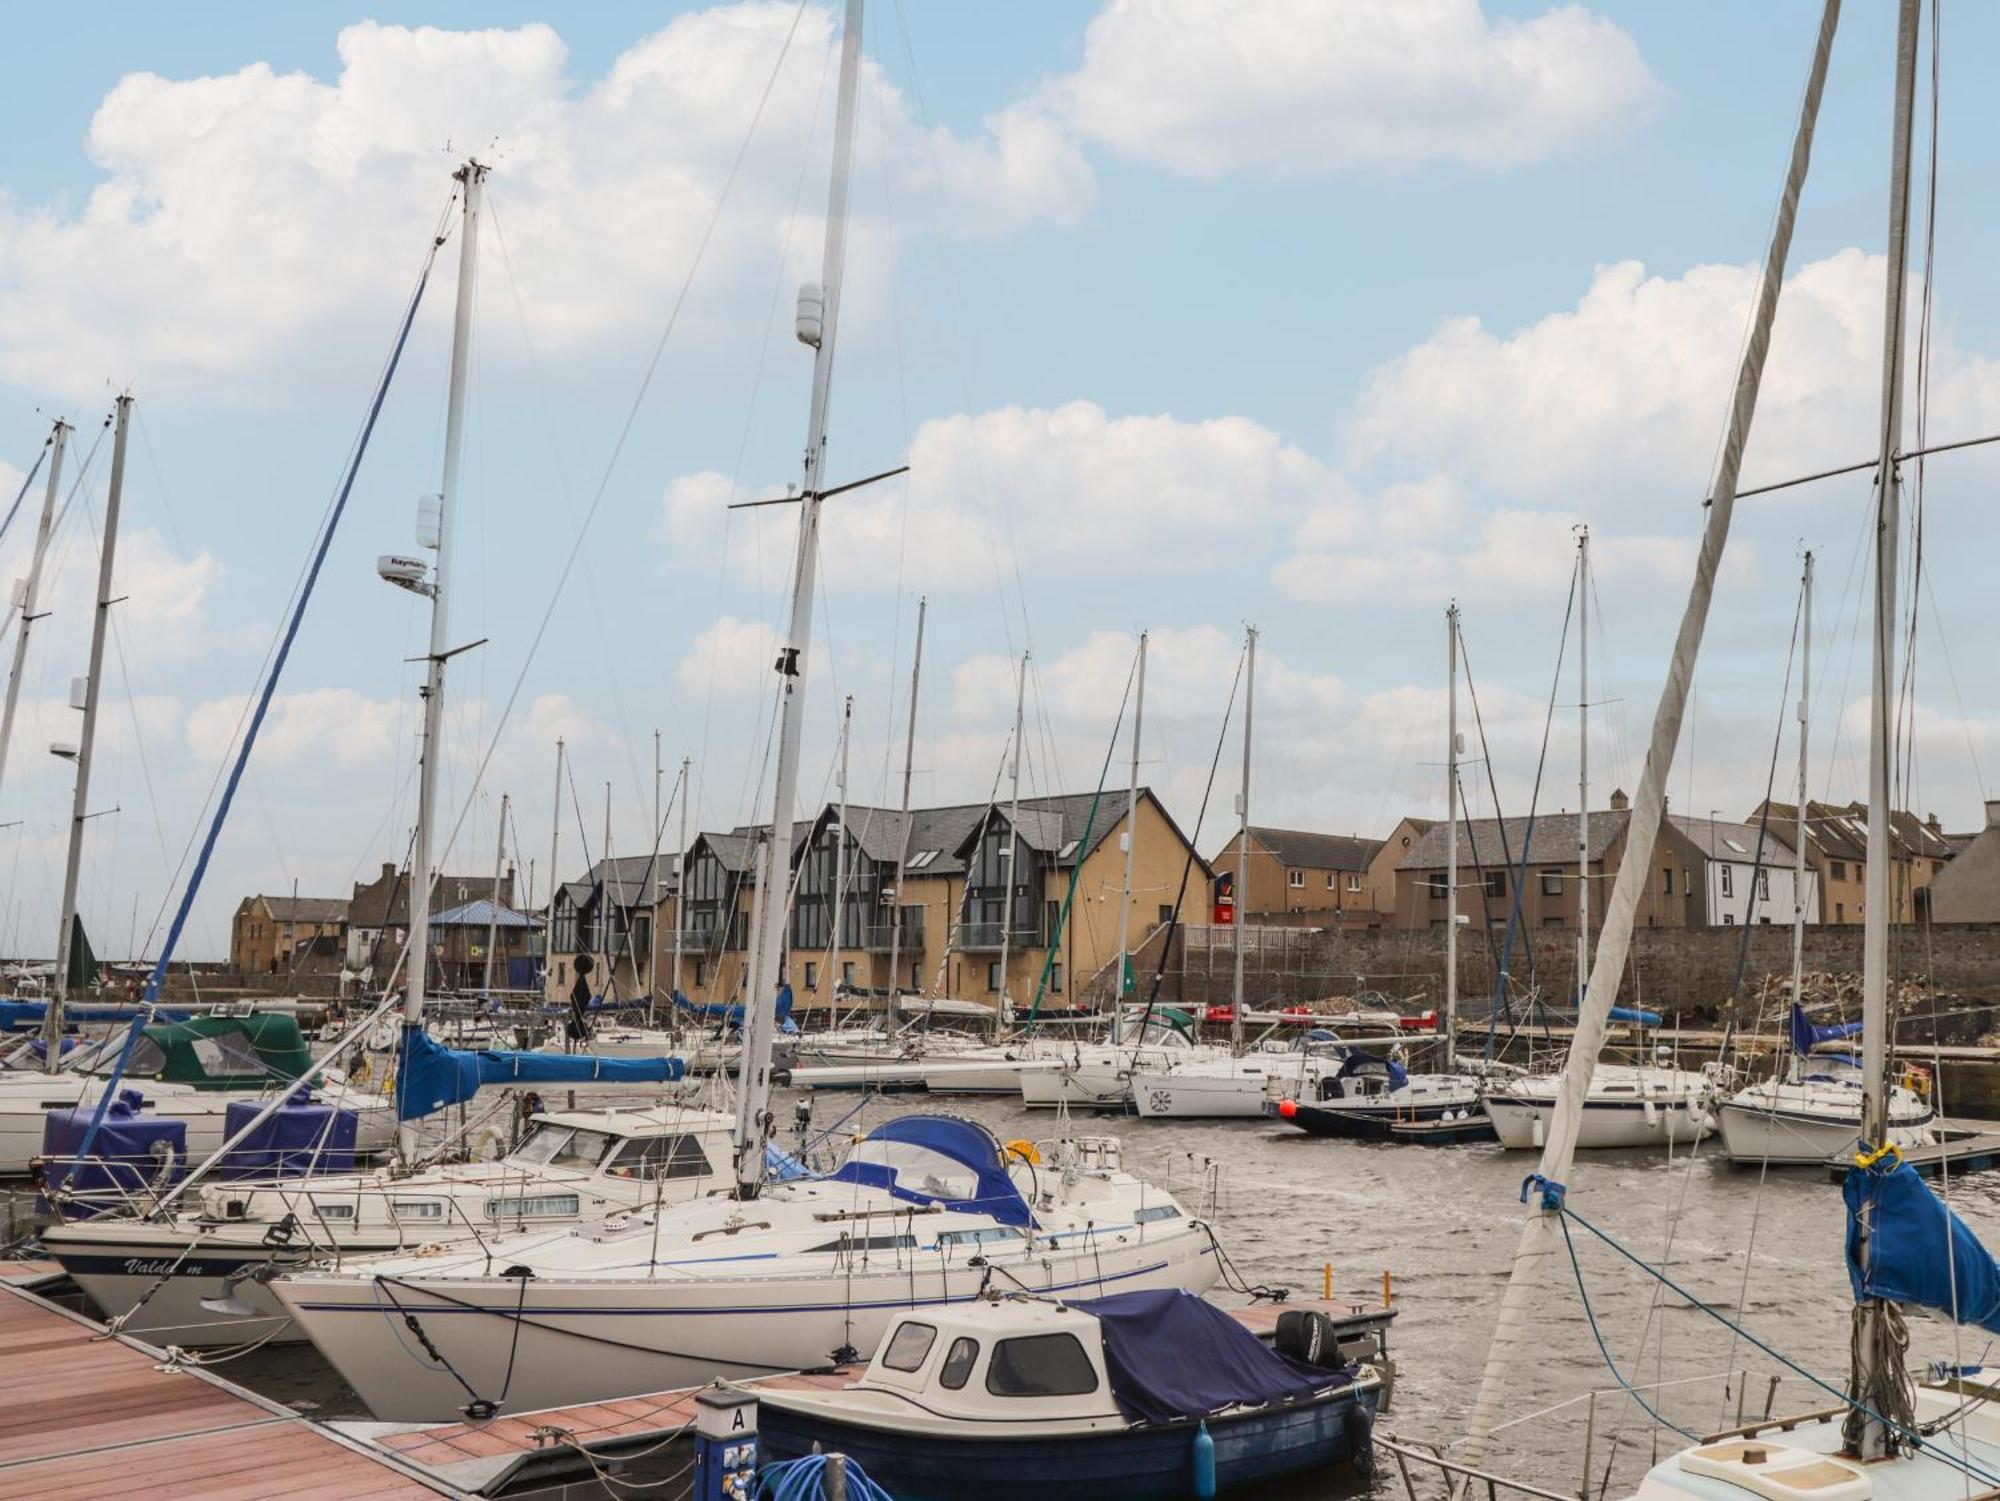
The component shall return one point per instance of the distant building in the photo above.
(1740, 883)
(1837, 849)
(459, 946)
(1382, 870)
(1294, 871)
(271, 935)
(378, 913)
(615, 913)
(1968, 888)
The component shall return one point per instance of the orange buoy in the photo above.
(1288, 1108)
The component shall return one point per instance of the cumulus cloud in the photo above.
(1298, 88)
(237, 215)
(320, 730)
(733, 656)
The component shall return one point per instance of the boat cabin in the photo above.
(205, 1052)
(1011, 1362)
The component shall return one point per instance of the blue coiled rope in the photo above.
(804, 1479)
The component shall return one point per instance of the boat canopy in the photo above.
(732, 1015)
(937, 1159)
(1370, 1063)
(1908, 1262)
(1172, 1356)
(209, 1052)
(430, 1076)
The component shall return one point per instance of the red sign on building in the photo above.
(1225, 899)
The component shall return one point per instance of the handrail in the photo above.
(1452, 1467)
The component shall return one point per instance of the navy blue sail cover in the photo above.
(1909, 1262)
(937, 1159)
(430, 1076)
(1636, 1016)
(1359, 1062)
(19, 1016)
(732, 1015)
(1172, 1356)
(1806, 1036)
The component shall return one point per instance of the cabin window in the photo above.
(660, 1157)
(334, 1211)
(534, 1207)
(561, 1146)
(417, 1209)
(1040, 1365)
(866, 1243)
(1296, 878)
(975, 1237)
(1154, 1212)
(958, 1362)
(228, 1054)
(909, 1346)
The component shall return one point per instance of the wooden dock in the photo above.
(1963, 1146)
(84, 1415)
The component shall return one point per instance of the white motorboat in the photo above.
(197, 1277)
(1372, 1098)
(1098, 1075)
(1233, 1087)
(1628, 1105)
(190, 1071)
(927, 1211)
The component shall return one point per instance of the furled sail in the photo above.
(1911, 1228)
(430, 1076)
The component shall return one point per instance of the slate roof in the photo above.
(1723, 839)
(1480, 840)
(385, 901)
(1840, 831)
(312, 909)
(1302, 848)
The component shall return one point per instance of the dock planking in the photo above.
(1963, 1146)
(83, 1415)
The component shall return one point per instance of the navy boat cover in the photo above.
(732, 1015)
(1358, 1062)
(937, 1159)
(1908, 1262)
(1806, 1036)
(300, 1137)
(430, 1076)
(134, 1149)
(1171, 1356)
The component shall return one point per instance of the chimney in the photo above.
(1993, 815)
(388, 871)
(1931, 822)
(1619, 801)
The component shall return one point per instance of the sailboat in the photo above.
(1891, 1437)
(1377, 1098)
(926, 1210)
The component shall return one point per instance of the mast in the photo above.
(1877, 1381)
(1131, 844)
(29, 589)
(80, 808)
(840, 862)
(555, 881)
(1243, 839)
(1583, 759)
(1012, 853)
(493, 916)
(817, 324)
(903, 847)
(1451, 841)
(651, 893)
(606, 900)
(417, 969)
(1517, 1337)
(680, 874)
(1799, 854)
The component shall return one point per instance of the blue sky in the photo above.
(1316, 317)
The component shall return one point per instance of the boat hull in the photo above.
(1521, 1124)
(1133, 1464)
(549, 1342)
(1440, 1125)
(1786, 1138)
(1191, 1096)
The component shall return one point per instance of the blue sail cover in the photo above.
(732, 1015)
(1634, 1014)
(20, 1016)
(1806, 1036)
(1360, 1063)
(430, 1076)
(1908, 1262)
(937, 1159)
(1172, 1356)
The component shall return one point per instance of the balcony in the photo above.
(976, 937)
(707, 940)
(880, 937)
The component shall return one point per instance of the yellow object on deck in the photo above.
(1025, 1150)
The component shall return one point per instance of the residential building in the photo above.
(270, 935)
(378, 913)
(1741, 883)
(1296, 871)
(459, 947)
(614, 913)
(1968, 888)
(1837, 849)
(1382, 870)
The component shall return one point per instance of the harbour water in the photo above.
(1764, 1249)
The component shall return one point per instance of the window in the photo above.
(1354, 881)
(812, 975)
(1837, 869)
(1552, 883)
(916, 975)
(1729, 919)
(228, 1055)
(868, 1243)
(908, 1346)
(1438, 887)
(417, 1209)
(1763, 885)
(1295, 878)
(660, 1157)
(1728, 880)
(534, 1207)
(1667, 881)
(1840, 912)
(1055, 979)
(957, 1365)
(1496, 883)
(1166, 913)
(993, 976)
(1330, 879)
(1040, 1365)
(976, 1237)
(561, 1146)
(1154, 1212)
(700, 973)
(333, 1211)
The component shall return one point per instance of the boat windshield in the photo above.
(551, 1145)
(920, 1169)
(101, 1057)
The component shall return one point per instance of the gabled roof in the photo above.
(1302, 848)
(313, 909)
(1722, 839)
(483, 914)
(1481, 843)
(385, 901)
(1840, 831)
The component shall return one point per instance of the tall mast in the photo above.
(417, 968)
(903, 847)
(1451, 841)
(1805, 722)
(651, 895)
(555, 880)
(840, 862)
(680, 873)
(1243, 838)
(29, 589)
(80, 808)
(817, 324)
(606, 901)
(493, 916)
(1583, 759)
(1518, 1338)
(1131, 845)
(1012, 854)
(1868, 1436)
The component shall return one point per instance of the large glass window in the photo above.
(1040, 1365)
(229, 1055)
(562, 1146)
(908, 1347)
(660, 1157)
(919, 1169)
(958, 1364)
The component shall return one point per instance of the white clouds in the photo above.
(733, 657)
(315, 731)
(1298, 88)
(241, 214)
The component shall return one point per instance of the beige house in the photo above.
(269, 934)
(1837, 851)
(1296, 871)
(1382, 870)
(1968, 888)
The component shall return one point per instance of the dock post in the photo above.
(725, 1445)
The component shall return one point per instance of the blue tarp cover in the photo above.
(729, 1015)
(301, 1136)
(1806, 1036)
(132, 1148)
(430, 1076)
(1357, 1063)
(1634, 1014)
(1909, 1264)
(16, 1016)
(1171, 1355)
(874, 1163)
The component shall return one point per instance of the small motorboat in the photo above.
(1129, 1397)
(1371, 1098)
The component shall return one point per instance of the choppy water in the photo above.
(1443, 1222)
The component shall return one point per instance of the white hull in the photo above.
(1523, 1125)
(547, 1342)
(1169, 1094)
(1791, 1138)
